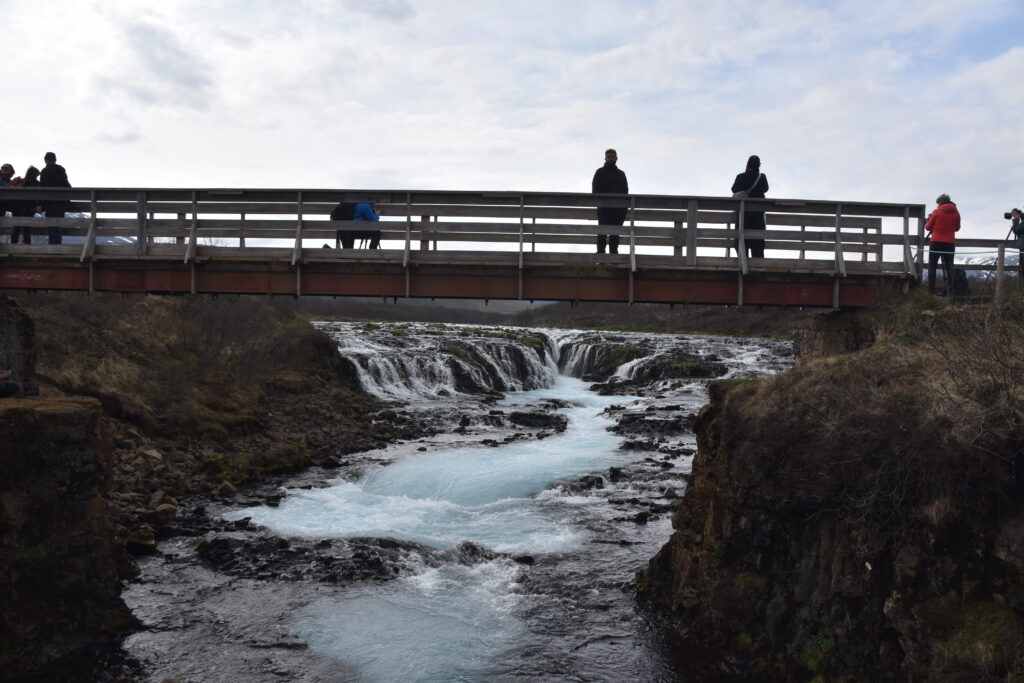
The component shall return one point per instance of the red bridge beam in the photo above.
(567, 283)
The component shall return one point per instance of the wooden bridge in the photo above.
(483, 245)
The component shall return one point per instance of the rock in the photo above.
(641, 517)
(141, 542)
(464, 421)
(60, 565)
(156, 499)
(540, 420)
(153, 455)
(524, 559)
(330, 463)
(225, 489)
(615, 474)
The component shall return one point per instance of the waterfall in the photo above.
(408, 361)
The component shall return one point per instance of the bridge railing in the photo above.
(485, 227)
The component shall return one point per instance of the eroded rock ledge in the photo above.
(59, 587)
(861, 517)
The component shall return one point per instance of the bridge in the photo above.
(481, 245)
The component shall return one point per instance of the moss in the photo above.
(819, 654)
(239, 467)
(990, 639)
(400, 332)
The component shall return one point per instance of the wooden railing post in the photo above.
(1000, 268)
(741, 242)
(193, 230)
(840, 260)
(908, 256)
(522, 227)
(90, 239)
(691, 233)
(408, 231)
(297, 251)
(632, 238)
(425, 233)
(142, 227)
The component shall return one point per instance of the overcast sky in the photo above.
(894, 101)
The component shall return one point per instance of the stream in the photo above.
(500, 547)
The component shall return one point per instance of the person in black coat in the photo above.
(54, 175)
(755, 184)
(25, 208)
(609, 179)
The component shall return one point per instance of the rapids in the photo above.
(518, 539)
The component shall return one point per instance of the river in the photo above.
(501, 547)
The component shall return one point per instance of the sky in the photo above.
(855, 101)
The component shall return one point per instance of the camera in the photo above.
(1009, 214)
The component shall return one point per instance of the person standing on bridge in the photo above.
(752, 184)
(943, 225)
(6, 175)
(27, 208)
(54, 175)
(1017, 227)
(609, 179)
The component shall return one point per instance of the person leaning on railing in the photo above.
(943, 225)
(1018, 232)
(752, 184)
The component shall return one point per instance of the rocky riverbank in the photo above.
(59, 563)
(860, 518)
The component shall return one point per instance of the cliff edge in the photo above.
(860, 518)
(59, 586)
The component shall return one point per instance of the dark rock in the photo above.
(330, 463)
(141, 542)
(524, 559)
(641, 517)
(59, 565)
(225, 489)
(540, 420)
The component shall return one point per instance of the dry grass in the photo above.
(163, 361)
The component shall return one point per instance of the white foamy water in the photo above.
(446, 624)
(477, 494)
(457, 622)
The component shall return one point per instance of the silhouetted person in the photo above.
(6, 175)
(1018, 232)
(54, 175)
(943, 225)
(355, 211)
(609, 179)
(25, 208)
(755, 185)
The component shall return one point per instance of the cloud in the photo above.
(895, 103)
(154, 68)
(390, 10)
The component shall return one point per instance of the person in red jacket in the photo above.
(943, 225)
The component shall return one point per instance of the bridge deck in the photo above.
(500, 245)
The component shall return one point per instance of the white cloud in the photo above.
(888, 102)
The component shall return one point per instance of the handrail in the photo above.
(146, 218)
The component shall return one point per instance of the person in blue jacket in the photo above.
(361, 211)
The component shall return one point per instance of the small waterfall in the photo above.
(409, 361)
